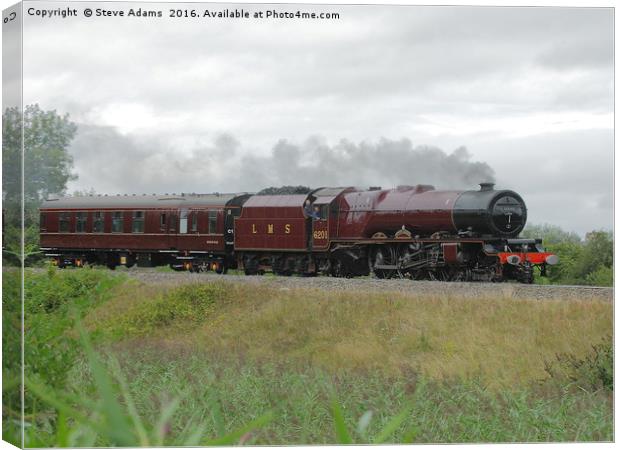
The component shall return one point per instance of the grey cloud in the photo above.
(578, 51)
(565, 178)
(390, 52)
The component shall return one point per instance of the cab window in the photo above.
(323, 212)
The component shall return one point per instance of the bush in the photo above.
(11, 353)
(50, 301)
(603, 276)
(593, 372)
(47, 293)
(581, 262)
(185, 306)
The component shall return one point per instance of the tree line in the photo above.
(587, 261)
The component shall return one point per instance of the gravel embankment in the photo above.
(469, 290)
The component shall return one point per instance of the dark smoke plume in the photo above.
(387, 163)
(112, 163)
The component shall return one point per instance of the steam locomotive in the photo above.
(412, 232)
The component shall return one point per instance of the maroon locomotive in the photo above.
(411, 231)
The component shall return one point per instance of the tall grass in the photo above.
(212, 363)
(313, 406)
(503, 340)
(49, 349)
(105, 414)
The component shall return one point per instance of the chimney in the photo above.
(486, 186)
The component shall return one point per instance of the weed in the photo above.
(593, 372)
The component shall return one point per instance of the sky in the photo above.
(381, 96)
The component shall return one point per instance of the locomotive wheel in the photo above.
(250, 265)
(279, 266)
(384, 255)
(527, 274)
(335, 268)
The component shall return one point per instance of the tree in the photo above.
(285, 190)
(550, 234)
(598, 253)
(47, 162)
(84, 193)
(47, 169)
(588, 261)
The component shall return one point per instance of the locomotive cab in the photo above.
(319, 223)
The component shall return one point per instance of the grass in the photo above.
(216, 363)
(303, 403)
(504, 341)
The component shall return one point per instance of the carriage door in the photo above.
(173, 224)
(166, 240)
(183, 221)
(181, 241)
(320, 228)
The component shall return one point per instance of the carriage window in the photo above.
(194, 221)
(173, 223)
(117, 222)
(42, 222)
(162, 221)
(80, 222)
(137, 224)
(212, 222)
(98, 222)
(63, 222)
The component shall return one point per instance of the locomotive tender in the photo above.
(411, 231)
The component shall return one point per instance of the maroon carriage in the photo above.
(186, 231)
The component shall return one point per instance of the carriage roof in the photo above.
(139, 201)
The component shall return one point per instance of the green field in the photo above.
(110, 361)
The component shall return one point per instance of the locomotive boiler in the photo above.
(423, 211)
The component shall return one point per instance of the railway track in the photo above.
(435, 288)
